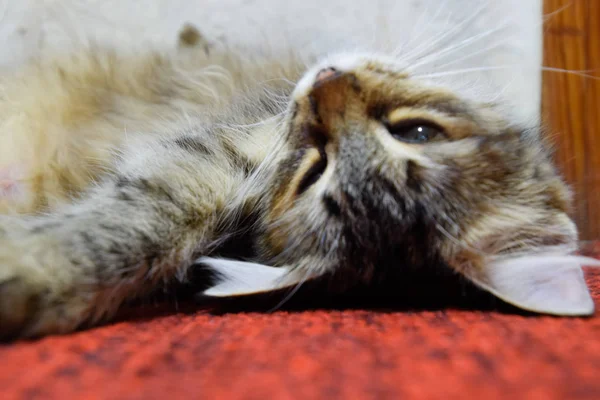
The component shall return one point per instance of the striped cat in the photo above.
(120, 173)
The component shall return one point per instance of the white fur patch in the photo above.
(236, 278)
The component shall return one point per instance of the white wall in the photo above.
(513, 26)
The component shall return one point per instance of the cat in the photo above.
(125, 172)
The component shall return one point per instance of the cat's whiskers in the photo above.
(277, 99)
(293, 291)
(262, 122)
(467, 56)
(291, 83)
(413, 62)
(3, 11)
(233, 209)
(464, 71)
(503, 90)
(419, 26)
(310, 270)
(454, 225)
(449, 50)
(552, 14)
(212, 74)
(286, 226)
(204, 88)
(425, 16)
(583, 74)
(423, 48)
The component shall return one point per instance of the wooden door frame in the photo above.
(571, 102)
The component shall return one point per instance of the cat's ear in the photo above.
(237, 278)
(543, 283)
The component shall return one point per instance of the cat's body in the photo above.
(64, 120)
(357, 169)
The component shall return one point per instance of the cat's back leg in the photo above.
(62, 120)
(58, 130)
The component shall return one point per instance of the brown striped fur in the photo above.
(131, 166)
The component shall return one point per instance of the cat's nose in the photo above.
(324, 75)
(330, 93)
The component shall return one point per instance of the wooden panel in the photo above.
(571, 103)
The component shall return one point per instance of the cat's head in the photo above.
(384, 170)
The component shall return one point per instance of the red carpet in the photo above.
(352, 354)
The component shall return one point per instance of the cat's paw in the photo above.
(19, 297)
(34, 299)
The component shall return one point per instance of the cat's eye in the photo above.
(416, 131)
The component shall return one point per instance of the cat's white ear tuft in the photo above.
(237, 278)
(550, 284)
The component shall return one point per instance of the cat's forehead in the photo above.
(351, 62)
(385, 80)
(384, 84)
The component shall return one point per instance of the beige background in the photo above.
(513, 29)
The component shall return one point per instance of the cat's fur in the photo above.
(122, 170)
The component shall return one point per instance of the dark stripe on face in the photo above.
(287, 170)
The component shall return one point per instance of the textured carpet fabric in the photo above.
(354, 353)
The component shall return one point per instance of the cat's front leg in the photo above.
(41, 290)
(126, 237)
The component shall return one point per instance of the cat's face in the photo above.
(385, 171)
